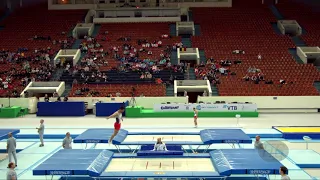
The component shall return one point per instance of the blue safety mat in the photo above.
(100, 136)
(244, 161)
(218, 136)
(90, 162)
(4, 132)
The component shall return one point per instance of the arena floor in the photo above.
(32, 155)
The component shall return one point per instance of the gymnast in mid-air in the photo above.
(117, 124)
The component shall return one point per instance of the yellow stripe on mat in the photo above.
(299, 129)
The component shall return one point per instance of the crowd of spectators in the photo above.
(128, 57)
(23, 66)
(212, 70)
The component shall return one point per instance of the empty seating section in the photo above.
(307, 17)
(247, 27)
(148, 31)
(24, 24)
(125, 89)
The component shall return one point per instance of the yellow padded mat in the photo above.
(299, 129)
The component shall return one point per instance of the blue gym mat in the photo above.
(68, 162)
(244, 161)
(4, 132)
(100, 136)
(218, 136)
(208, 136)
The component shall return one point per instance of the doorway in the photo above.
(193, 96)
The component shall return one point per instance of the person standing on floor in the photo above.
(11, 148)
(67, 142)
(41, 132)
(11, 173)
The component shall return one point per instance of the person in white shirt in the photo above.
(117, 124)
(67, 142)
(160, 146)
(259, 57)
(41, 132)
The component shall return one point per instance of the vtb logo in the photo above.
(232, 108)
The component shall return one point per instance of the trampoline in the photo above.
(206, 137)
(104, 164)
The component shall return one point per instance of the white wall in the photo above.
(264, 103)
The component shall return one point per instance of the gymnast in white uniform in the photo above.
(160, 146)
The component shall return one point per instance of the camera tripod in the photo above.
(132, 101)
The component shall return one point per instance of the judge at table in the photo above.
(160, 146)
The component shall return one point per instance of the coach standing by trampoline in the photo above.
(67, 142)
(11, 148)
(41, 132)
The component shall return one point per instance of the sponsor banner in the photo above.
(205, 107)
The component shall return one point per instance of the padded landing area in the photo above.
(100, 136)
(297, 132)
(305, 158)
(167, 167)
(157, 164)
(244, 161)
(90, 162)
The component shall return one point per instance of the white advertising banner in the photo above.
(205, 107)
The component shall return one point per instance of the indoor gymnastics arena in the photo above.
(160, 89)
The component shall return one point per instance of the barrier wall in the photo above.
(273, 103)
(107, 109)
(61, 109)
(264, 103)
(147, 102)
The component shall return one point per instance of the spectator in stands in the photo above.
(268, 82)
(185, 93)
(282, 81)
(259, 56)
(118, 94)
(78, 92)
(237, 62)
(55, 94)
(159, 146)
(258, 144)
(58, 99)
(65, 99)
(46, 98)
(205, 93)
(283, 172)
